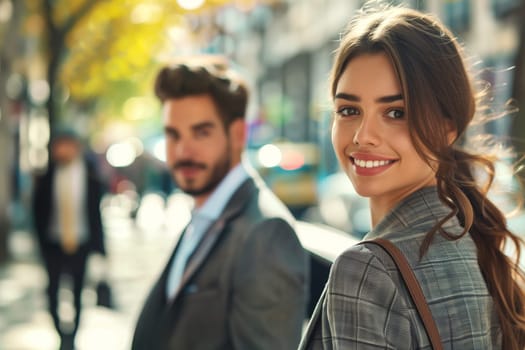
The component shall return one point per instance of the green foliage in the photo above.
(108, 51)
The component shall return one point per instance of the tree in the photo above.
(60, 17)
(92, 46)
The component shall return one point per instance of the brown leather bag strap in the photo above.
(414, 289)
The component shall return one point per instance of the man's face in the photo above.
(64, 150)
(198, 148)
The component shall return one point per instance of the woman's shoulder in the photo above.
(443, 260)
(358, 253)
(359, 263)
(366, 255)
(360, 279)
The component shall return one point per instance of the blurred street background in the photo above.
(90, 64)
(136, 254)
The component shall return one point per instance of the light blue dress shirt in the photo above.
(201, 220)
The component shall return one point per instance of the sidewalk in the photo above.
(135, 259)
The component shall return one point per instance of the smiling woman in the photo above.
(403, 101)
(369, 109)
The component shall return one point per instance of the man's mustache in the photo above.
(188, 164)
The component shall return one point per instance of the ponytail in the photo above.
(486, 224)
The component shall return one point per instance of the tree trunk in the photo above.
(56, 50)
(8, 54)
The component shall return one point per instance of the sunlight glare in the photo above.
(190, 4)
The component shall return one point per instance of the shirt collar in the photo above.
(215, 204)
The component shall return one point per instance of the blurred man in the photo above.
(66, 210)
(237, 278)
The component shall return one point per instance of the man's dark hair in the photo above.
(227, 90)
(65, 133)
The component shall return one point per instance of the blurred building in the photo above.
(295, 52)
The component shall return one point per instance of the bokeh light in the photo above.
(269, 155)
(123, 154)
(190, 4)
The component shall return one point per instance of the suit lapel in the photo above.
(202, 251)
(234, 207)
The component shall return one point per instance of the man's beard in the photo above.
(218, 171)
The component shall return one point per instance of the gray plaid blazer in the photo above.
(365, 304)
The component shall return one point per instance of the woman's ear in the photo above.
(452, 136)
(452, 133)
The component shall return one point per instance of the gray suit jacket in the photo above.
(244, 288)
(366, 305)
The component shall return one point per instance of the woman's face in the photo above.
(370, 133)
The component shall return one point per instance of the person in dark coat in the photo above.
(68, 222)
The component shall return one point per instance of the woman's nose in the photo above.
(367, 133)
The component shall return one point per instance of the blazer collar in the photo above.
(417, 213)
(234, 207)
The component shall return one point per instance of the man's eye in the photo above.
(396, 113)
(346, 111)
(202, 133)
(171, 136)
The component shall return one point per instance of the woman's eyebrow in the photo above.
(382, 99)
(348, 97)
(390, 98)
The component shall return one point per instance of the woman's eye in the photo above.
(346, 111)
(396, 113)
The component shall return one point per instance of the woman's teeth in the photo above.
(371, 163)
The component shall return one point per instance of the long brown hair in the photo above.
(439, 97)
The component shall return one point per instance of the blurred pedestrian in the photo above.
(237, 278)
(403, 100)
(68, 223)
